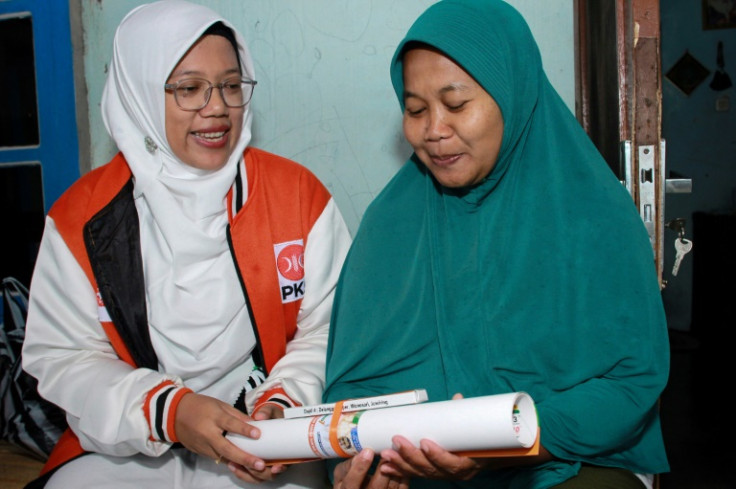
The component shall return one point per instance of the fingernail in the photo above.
(232, 467)
(366, 454)
(260, 465)
(255, 433)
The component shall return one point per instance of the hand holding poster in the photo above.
(498, 425)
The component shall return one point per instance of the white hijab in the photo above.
(194, 297)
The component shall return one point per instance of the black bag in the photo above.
(26, 420)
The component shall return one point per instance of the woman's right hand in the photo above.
(200, 424)
(353, 473)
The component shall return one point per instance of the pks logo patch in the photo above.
(290, 267)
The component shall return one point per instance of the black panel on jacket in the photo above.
(112, 238)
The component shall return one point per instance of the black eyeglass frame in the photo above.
(208, 92)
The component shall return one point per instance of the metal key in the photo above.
(682, 248)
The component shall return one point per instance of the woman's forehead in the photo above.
(208, 52)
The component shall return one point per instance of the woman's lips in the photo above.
(212, 138)
(445, 160)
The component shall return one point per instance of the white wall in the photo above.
(324, 97)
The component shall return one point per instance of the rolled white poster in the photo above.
(477, 424)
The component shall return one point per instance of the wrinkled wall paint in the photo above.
(324, 97)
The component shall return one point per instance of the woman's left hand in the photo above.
(354, 473)
(267, 411)
(429, 461)
(200, 423)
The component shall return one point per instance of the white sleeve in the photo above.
(301, 371)
(67, 350)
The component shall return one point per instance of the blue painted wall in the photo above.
(701, 141)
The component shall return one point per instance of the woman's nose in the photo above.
(437, 127)
(216, 103)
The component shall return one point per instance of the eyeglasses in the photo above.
(194, 93)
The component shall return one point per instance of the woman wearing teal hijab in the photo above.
(504, 256)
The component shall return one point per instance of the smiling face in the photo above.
(453, 124)
(205, 138)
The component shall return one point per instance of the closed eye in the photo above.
(234, 84)
(457, 107)
(190, 88)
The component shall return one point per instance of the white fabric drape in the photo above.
(191, 283)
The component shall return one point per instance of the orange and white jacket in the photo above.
(87, 340)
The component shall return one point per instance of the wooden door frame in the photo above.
(638, 49)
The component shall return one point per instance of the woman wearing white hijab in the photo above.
(186, 285)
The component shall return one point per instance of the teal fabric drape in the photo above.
(540, 279)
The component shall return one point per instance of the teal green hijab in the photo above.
(540, 279)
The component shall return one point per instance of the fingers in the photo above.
(255, 476)
(398, 482)
(428, 461)
(268, 411)
(354, 474)
(235, 421)
(245, 460)
(454, 466)
(235, 412)
(442, 461)
(201, 422)
(351, 473)
(382, 480)
(406, 459)
(228, 450)
(227, 424)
